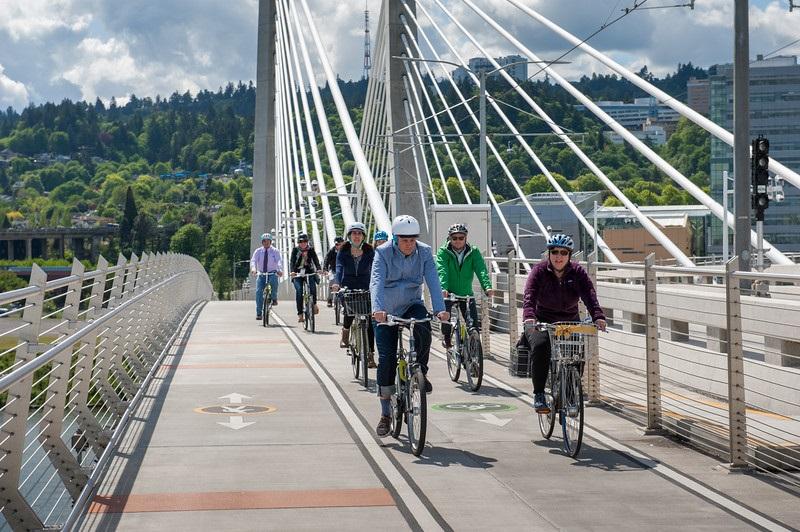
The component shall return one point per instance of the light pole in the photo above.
(725, 193)
(528, 234)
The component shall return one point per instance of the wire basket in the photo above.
(357, 303)
(569, 340)
(520, 362)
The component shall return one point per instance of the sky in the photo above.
(84, 49)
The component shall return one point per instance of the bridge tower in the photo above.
(265, 206)
(407, 194)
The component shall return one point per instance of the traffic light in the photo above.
(760, 177)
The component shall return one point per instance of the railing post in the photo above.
(116, 329)
(513, 327)
(95, 435)
(68, 468)
(16, 510)
(651, 345)
(592, 373)
(486, 324)
(737, 417)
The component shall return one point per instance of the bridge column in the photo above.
(408, 198)
(10, 249)
(95, 248)
(28, 248)
(780, 352)
(265, 191)
(62, 246)
(45, 251)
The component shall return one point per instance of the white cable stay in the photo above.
(330, 227)
(322, 119)
(684, 110)
(375, 200)
(772, 252)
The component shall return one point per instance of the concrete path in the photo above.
(249, 428)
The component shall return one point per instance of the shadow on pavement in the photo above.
(593, 457)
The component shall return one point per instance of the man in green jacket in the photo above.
(457, 262)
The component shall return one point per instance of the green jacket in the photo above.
(457, 278)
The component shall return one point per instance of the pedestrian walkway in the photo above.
(248, 428)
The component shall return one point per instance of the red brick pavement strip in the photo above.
(241, 500)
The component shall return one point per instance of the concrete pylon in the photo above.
(407, 197)
(265, 210)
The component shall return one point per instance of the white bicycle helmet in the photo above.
(356, 226)
(457, 228)
(405, 225)
(266, 236)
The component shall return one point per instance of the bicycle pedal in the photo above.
(572, 411)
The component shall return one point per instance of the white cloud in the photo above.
(34, 19)
(12, 93)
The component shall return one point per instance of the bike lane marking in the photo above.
(408, 496)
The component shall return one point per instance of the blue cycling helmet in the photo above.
(380, 235)
(560, 241)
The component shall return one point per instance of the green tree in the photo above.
(10, 281)
(128, 218)
(189, 240)
(58, 142)
(221, 275)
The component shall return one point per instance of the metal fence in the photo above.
(710, 355)
(76, 355)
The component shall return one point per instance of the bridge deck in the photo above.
(313, 463)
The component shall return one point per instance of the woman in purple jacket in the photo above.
(551, 295)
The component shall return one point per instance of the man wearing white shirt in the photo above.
(266, 259)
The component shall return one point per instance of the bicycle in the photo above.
(467, 350)
(337, 309)
(563, 389)
(357, 304)
(309, 319)
(409, 399)
(266, 304)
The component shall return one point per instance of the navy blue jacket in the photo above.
(346, 274)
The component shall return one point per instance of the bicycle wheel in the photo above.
(265, 306)
(352, 348)
(398, 407)
(417, 413)
(454, 355)
(547, 421)
(571, 411)
(474, 361)
(337, 309)
(363, 350)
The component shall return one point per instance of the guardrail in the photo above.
(709, 354)
(76, 355)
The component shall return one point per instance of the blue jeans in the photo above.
(386, 341)
(298, 291)
(261, 282)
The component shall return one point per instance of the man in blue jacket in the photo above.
(399, 269)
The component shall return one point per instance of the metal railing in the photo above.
(76, 354)
(709, 354)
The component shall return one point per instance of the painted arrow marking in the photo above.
(237, 422)
(492, 419)
(235, 398)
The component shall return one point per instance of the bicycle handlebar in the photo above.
(395, 321)
(454, 298)
(258, 274)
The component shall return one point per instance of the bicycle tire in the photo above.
(363, 353)
(474, 361)
(417, 412)
(353, 350)
(571, 411)
(337, 309)
(265, 309)
(397, 407)
(453, 355)
(547, 422)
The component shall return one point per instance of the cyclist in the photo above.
(551, 295)
(266, 259)
(353, 268)
(330, 265)
(304, 260)
(398, 273)
(379, 239)
(457, 262)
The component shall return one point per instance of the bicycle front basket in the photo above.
(357, 304)
(569, 341)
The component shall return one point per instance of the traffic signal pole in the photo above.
(741, 133)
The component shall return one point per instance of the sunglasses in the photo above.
(562, 252)
(458, 238)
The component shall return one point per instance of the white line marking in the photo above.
(683, 480)
(405, 491)
(492, 419)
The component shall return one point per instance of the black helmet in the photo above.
(302, 237)
(338, 240)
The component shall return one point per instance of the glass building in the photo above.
(774, 113)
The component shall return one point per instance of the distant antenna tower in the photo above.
(367, 53)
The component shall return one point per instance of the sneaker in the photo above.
(258, 318)
(275, 303)
(540, 404)
(371, 361)
(428, 386)
(316, 309)
(384, 426)
(330, 304)
(446, 344)
(300, 318)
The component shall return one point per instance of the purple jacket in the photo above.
(549, 299)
